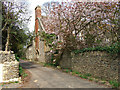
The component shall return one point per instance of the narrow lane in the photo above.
(44, 77)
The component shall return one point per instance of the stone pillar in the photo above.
(9, 67)
(37, 15)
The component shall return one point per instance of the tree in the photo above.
(82, 25)
(87, 24)
(14, 33)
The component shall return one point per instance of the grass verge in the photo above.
(88, 76)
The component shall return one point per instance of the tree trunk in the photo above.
(8, 38)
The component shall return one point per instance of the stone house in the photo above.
(36, 51)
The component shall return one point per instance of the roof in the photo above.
(37, 7)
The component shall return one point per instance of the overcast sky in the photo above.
(32, 5)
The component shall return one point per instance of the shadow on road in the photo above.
(27, 64)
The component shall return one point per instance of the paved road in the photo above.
(44, 77)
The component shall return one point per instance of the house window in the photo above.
(57, 37)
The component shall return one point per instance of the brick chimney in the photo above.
(37, 15)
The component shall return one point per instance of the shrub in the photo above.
(91, 79)
(17, 58)
(20, 71)
(67, 70)
(88, 75)
(115, 84)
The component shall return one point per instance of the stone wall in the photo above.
(10, 70)
(41, 51)
(42, 55)
(10, 67)
(48, 56)
(31, 52)
(98, 64)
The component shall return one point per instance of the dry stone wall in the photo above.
(10, 70)
(99, 64)
(10, 67)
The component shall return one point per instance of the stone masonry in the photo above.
(36, 51)
(98, 64)
(10, 67)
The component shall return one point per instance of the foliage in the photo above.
(82, 76)
(75, 72)
(91, 79)
(88, 74)
(115, 84)
(49, 38)
(20, 71)
(17, 58)
(113, 49)
(23, 58)
(83, 24)
(48, 64)
(90, 39)
(67, 70)
(25, 75)
(14, 31)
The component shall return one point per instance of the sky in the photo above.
(32, 5)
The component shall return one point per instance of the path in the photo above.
(44, 77)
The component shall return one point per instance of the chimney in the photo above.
(37, 12)
(37, 15)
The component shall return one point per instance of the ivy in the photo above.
(113, 49)
(49, 38)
